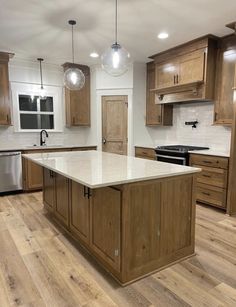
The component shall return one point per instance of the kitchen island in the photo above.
(134, 216)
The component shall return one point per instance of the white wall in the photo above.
(28, 72)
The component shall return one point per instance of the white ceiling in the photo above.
(34, 28)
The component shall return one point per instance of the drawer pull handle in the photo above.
(205, 193)
(205, 161)
(207, 176)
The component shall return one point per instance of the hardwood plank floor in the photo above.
(41, 266)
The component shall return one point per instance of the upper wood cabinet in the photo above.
(5, 108)
(78, 102)
(186, 72)
(191, 67)
(224, 93)
(166, 74)
(156, 115)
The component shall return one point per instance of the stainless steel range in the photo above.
(177, 154)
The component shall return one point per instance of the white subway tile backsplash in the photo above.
(206, 134)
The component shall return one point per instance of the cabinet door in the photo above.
(34, 175)
(79, 212)
(48, 189)
(5, 115)
(78, 103)
(224, 87)
(142, 235)
(105, 225)
(166, 74)
(153, 111)
(191, 67)
(62, 198)
(176, 215)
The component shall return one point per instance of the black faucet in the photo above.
(43, 135)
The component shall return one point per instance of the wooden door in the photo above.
(176, 215)
(166, 74)
(62, 198)
(191, 67)
(153, 111)
(5, 115)
(114, 124)
(105, 225)
(224, 87)
(48, 189)
(79, 212)
(78, 102)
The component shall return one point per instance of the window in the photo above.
(32, 113)
(36, 113)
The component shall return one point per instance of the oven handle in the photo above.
(172, 157)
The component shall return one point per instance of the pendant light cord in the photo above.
(41, 74)
(116, 24)
(73, 50)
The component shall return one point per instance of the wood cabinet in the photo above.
(176, 216)
(106, 226)
(156, 115)
(225, 81)
(5, 104)
(77, 103)
(62, 198)
(186, 72)
(48, 189)
(212, 182)
(145, 153)
(132, 229)
(80, 212)
(33, 174)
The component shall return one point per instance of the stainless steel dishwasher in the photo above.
(10, 171)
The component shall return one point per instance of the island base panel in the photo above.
(132, 230)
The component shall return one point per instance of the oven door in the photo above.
(171, 159)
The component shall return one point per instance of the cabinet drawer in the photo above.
(212, 176)
(211, 195)
(142, 152)
(211, 161)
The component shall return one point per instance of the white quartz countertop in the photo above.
(211, 152)
(47, 147)
(96, 169)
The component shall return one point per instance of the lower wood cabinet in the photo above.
(212, 182)
(62, 198)
(79, 212)
(106, 225)
(33, 173)
(48, 189)
(131, 229)
(145, 153)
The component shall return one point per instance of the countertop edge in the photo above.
(192, 170)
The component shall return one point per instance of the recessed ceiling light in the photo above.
(162, 35)
(94, 55)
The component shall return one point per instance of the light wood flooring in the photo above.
(41, 266)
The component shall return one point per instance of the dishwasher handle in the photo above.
(9, 154)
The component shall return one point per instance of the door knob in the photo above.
(104, 140)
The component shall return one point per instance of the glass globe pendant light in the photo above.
(42, 90)
(116, 60)
(74, 78)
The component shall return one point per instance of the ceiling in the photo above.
(33, 28)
